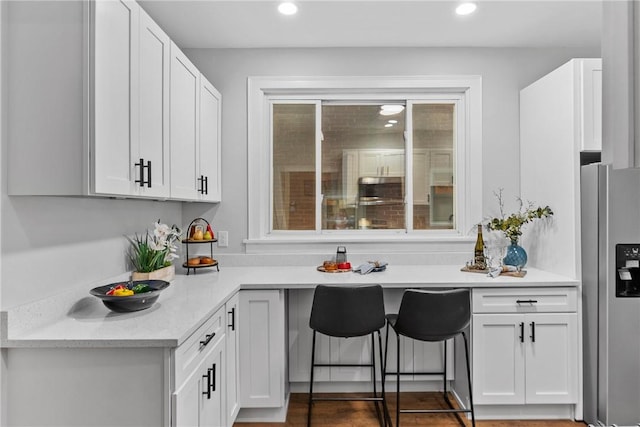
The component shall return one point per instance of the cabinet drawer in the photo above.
(528, 300)
(192, 351)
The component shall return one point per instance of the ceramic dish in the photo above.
(133, 302)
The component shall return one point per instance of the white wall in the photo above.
(504, 73)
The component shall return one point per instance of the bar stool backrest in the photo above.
(430, 315)
(347, 311)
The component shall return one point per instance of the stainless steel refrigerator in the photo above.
(610, 202)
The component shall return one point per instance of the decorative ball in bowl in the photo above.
(124, 297)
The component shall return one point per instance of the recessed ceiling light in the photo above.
(393, 122)
(390, 109)
(287, 8)
(388, 125)
(466, 8)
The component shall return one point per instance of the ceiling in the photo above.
(378, 23)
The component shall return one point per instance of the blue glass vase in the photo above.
(516, 255)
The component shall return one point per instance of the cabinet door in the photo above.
(393, 163)
(262, 348)
(350, 175)
(441, 167)
(551, 358)
(498, 359)
(115, 93)
(421, 177)
(184, 125)
(209, 142)
(233, 354)
(153, 110)
(186, 400)
(213, 394)
(369, 163)
(591, 111)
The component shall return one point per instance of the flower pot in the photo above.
(166, 273)
(516, 255)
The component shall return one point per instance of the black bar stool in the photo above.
(432, 316)
(350, 311)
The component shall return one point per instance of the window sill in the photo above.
(368, 243)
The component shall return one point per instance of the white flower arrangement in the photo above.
(151, 252)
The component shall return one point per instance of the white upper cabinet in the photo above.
(591, 112)
(185, 90)
(115, 67)
(153, 114)
(102, 105)
(209, 142)
(195, 132)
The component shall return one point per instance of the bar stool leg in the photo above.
(466, 354)
(383, 370)
(444, 375)
(373, 374)
(313, 356)
(398, 380)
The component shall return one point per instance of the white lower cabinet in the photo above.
(525, 346)
(199, 364)
(262, 348)
(200, 399)
(233, 354)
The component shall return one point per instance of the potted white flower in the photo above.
(152, 254)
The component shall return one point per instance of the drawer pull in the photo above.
(527, 301)
(533, 331)
(207, 338)
(521, 332)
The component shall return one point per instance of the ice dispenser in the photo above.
(628, 270)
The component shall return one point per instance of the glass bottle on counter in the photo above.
(479, 259)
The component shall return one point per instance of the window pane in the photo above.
(294, 179)
(362, 167)
(433, 166)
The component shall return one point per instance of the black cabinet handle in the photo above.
(207, 338)
(202, 180)
(533, 331)
(207, 392)
(521, 332)
(206, 185)
(526, 301)
(142, 166)
(141, 180)
(233, 319)
(148, 173)
(212, 369)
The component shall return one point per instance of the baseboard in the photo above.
(264, 415)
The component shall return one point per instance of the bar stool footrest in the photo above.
(434, 411)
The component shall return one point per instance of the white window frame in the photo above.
(261, 92)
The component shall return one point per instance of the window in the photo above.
(329, 158)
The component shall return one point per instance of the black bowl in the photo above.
(133, 302)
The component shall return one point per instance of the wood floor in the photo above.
(362, 414)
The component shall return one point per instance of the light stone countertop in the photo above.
(77, 319)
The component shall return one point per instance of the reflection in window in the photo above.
(294, 174)
(361, 153)
(362, 173)
(433, 166)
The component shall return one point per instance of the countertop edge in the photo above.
(191, 300)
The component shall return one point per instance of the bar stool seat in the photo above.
(346, 312)
(433, 316)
